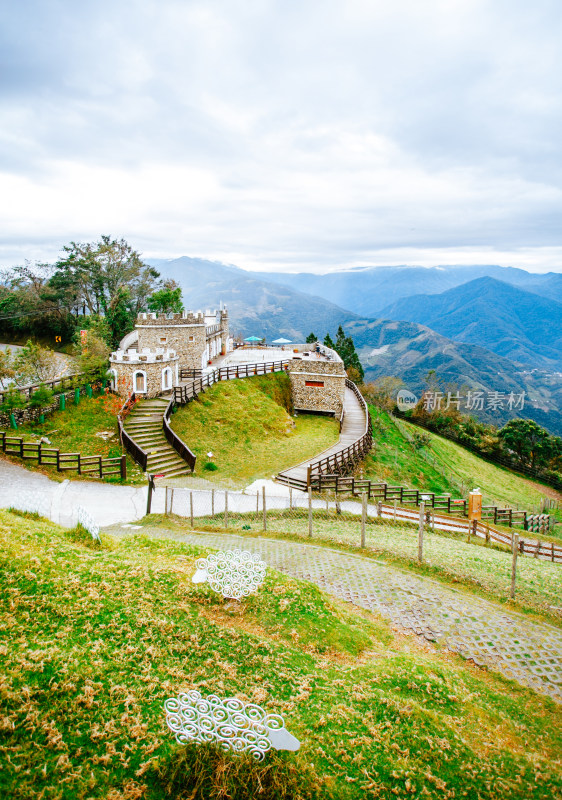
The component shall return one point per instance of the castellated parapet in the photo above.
(147, 372)
(196, 336)
(318, 384)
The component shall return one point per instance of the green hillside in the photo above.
(94, 641)
(444, 466)
(247, 426)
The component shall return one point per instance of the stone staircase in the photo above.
(144, 426)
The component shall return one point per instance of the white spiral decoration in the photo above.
(234, 573)
(232, 724)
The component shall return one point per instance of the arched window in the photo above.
(139, 382)
(113, 379)
(166, 379)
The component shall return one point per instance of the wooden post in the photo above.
(420, 532)
(363, 517)
(487, 534)
(264, 508)
(124, 466)
(379, 509)
(212, 502)
(226, 509)
(290, 498)
(514, 552)
(150, 489)
(310, 512)
(191, 507)
(395, 504)
(166, 503)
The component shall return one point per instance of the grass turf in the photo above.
(246, 425)
(93, 641)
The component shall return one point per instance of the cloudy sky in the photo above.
(284, 134)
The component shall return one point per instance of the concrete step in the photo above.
(178, 472)
(165, 459)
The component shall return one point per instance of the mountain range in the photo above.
(506, 319)
(479, 333)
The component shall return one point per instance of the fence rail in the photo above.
(512, 464)
(449, 505)
(58, 385)
(52, 457)
(135, 451)
(306, 513)
(174, 440)
(189, 391)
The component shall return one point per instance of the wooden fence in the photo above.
(52, 457)
(479, 529)
(346, 459)
(189, 391)
(58, 385)
(510, 463)
(137, 453)
(174, 440)
(445, 503)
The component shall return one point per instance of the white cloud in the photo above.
(285, 135)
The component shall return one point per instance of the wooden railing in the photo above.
(344, 460)
(445, 503)
(136, 452)
(189, 391)
(57, 385)
(52, 457)
(174, 440)
(479, 529)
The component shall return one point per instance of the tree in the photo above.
(328, 342)
(311, 338)
(166, 300)
(383, 392)
(531, 443)
(109, 278)
(6, 367)
(35, 364)
(92, 348)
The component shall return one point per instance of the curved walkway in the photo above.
(353, 428)
(527, 652)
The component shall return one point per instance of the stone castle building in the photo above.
(150, 357)
(318, 383)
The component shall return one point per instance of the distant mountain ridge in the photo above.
(368, 290)
(506, 319)
(405, 349)
(256, 307)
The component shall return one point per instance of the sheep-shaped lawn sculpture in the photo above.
(234, 573)
(232, 724)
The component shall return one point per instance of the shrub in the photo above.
(41, 397)
(210, 466)
(12, 399)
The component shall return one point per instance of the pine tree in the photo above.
(311, 338)
(328, 342)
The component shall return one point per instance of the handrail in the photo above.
(27, 390)
(174, 440)
(345, 459)
(136, 452)
(186, 392)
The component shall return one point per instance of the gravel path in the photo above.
(528, 652)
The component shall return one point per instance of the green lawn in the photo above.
(395, 461)
(75, 430)
(94, 641)
(249, 431)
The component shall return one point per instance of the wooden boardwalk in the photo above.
(355, 425)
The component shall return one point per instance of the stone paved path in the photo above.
(528, 652)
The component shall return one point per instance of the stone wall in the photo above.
(125, 371)
(325, 389)
(187, 340)
(22, 415)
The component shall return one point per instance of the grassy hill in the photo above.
(94, 641)
(444, 466)
(247, 426)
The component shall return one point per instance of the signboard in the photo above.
(475, 504)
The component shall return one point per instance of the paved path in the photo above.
(353, 429)
(59, 502)
(528, 652)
